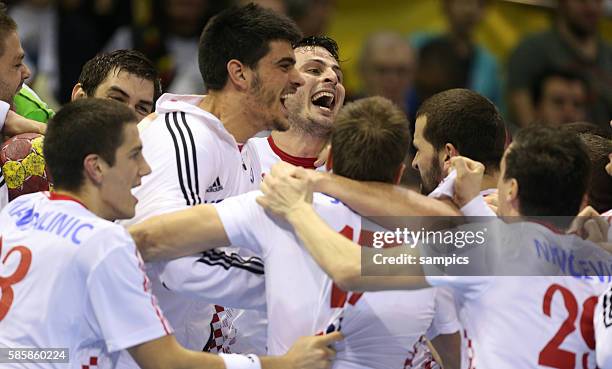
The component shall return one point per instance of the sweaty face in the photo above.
(427, 161)
(563, 101)
(129, 89)
(130, 166)
(274, 79)
(12, 69)
(313, 108)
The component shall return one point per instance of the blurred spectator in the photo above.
(573, 43)
(167, 32)
(559, 97)
(279, 6)
(126, 76)
(386, 67)
(62, 35)
(312, 16)
(453, 59)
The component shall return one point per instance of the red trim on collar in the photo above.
(58, 196)
(307, 163)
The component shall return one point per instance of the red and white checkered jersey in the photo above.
(194, 160)
(522, 321)
(380, 328)
(72, 280)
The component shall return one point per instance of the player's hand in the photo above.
(590, 226)
(286, 188)
(323, 155)
(468, 181)
(15, 124)
(313, 352)
(493, 201)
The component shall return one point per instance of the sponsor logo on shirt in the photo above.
(215, 186)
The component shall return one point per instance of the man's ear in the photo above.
(512, 194)
(238, 74)
(77, 92)
(93, 166)
(447, 152)
(450, 150)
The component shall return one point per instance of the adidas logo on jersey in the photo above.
(215, 187)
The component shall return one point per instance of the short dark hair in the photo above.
(7, 25)
(241, 33)
(598, 148)
(552, 169)
(325, 42)
(537, 86)
(96, 70)
(586, 127)
(467, 120)
(80, 128)
(369, 140)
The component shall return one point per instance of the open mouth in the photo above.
(283, 98)
(324, 100)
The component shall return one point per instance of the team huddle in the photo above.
(178, 239)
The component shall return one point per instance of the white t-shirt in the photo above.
(380, 328)
(77, 282)
(194, 160)
(530, 321)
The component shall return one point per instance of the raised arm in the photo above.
(380, 199)
(288, 193)
(180, 233)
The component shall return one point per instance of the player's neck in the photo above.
(298, 144)
(86, 197)
(226, 106)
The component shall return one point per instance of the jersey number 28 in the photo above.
(552, 355)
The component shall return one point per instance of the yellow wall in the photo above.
(503, 26)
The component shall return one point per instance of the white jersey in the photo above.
(531, 321)
(74, 281)
(381, 329)
(269, 154)
(194, 160)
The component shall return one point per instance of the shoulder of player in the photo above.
(194, 126)
(333, 210)
(104, 239)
